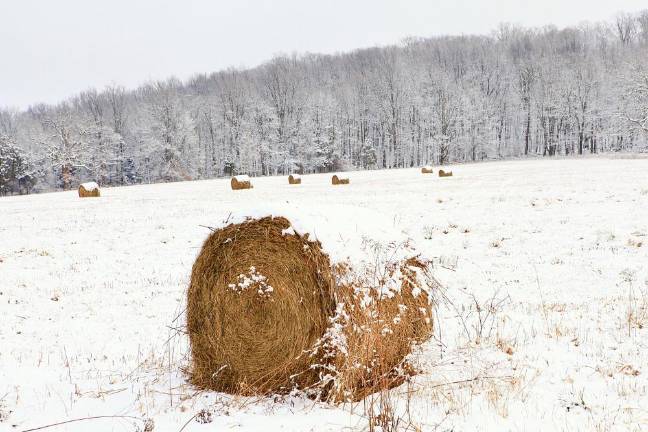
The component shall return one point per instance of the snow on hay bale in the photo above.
(90, 189)
(443, 173)
(269, 311)
(241, 182)
(294, 179)
(339, 179)
(427, 170)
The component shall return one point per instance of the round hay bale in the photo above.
(258, 301)
(427, 170)
(90, 189)
(294, 179)
(241, 182)
(268, 313)
(443, 173)
(339, 180)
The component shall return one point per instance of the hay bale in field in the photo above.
(294, 179)
(251, 334)
(427, 170)
(443, 173)
(266, 314)
(339, 179)
(90, 189)
(241, 182)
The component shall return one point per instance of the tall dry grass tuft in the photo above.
(379, 328)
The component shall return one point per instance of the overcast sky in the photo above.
(52, 49)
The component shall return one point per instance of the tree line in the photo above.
(514, 93)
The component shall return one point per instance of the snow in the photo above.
(252, 279)
(242, 178)
(345, 231)
(542, 323)
(90, 186)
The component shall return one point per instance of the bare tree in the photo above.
(637, 92)
(642, 21)
(626, 28)
(281, 87)
(66, 150)
(526, 78)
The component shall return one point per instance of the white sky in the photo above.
(52, 49)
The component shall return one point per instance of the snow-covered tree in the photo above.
(16, 174)
(516, 92)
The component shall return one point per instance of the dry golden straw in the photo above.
(88, 190)
(262, 307)
(381, 334)
(427, 170)
(294, 179)
(246, 342)
(339, 180)
(241, 182)
(445, 173)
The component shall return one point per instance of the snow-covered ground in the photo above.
(542, 325)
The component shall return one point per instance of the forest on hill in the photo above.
(514, 93)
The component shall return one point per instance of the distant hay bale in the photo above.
(427, 170)
(266, 314)
(294, 179)
(339, 180)
(241, 182)
(443, 173)
(90, 189)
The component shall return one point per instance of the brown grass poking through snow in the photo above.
(294, 179)
(443, 173)
(266, 315)
(380, 331)
(427, 170)
(241, 182)
(339, 180)
(88, 193)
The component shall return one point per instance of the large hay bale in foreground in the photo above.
(443, 173)
(257, 302)
(241, 182)
(427, 170)
(90, 189)
(339, 180)
(294, 179)
(266, 314)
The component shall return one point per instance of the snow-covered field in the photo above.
(544, 323)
